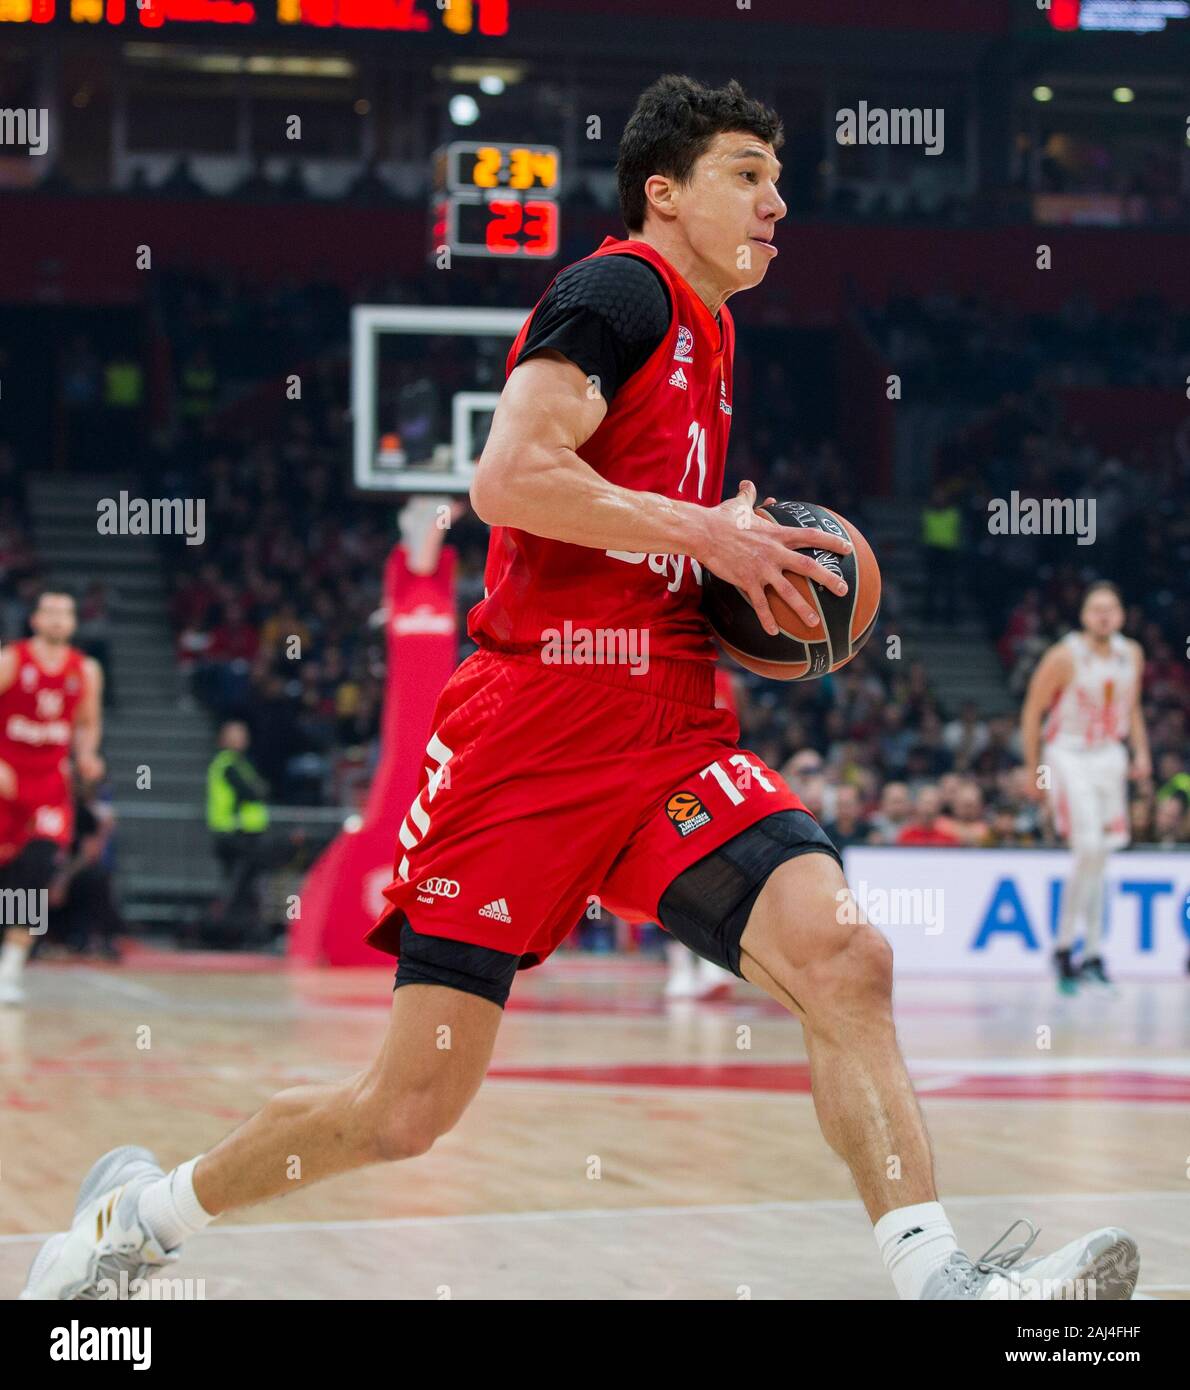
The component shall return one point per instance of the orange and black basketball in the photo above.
(798, 652)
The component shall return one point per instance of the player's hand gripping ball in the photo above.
(798, 652)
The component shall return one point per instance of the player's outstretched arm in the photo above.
(8, 674)
(88, 724)
(1142, 764)
(1053, 673)
(8, 668)
(531, 476)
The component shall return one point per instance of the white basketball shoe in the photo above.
(107, 1248)
(1102, 1266)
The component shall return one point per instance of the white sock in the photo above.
(913, 1242)
(12, 961)
(170, 1207)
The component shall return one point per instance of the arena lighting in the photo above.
(1123, 95)
(274, 64)
(186, 59)
(466, 74)
(1043, 94)
(491, 85)
(464, 110)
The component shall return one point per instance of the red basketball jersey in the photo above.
(725, 696)
(665, 432)
(37, 712)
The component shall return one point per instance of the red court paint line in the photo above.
(758, 1076)
(650, 1005)
(1123, 1086)
(794, 1078)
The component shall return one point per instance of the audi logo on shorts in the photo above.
(439, 887)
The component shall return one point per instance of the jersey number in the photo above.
(698, 445)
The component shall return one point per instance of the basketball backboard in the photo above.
(424, 384)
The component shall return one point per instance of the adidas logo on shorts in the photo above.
(497, 910)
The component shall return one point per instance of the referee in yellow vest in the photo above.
(238, 820)
(941, 540)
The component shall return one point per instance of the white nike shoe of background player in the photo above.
(1103, 1266)
(682, 981)
(107, 1249)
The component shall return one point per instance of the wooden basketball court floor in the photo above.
(623, 1146)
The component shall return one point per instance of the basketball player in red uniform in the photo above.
(50, 706)
(579, 752)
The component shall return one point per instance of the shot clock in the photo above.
(496, 200)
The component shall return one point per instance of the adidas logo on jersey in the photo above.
(497, 911)
(679, 379)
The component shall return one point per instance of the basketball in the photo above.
(797, 652)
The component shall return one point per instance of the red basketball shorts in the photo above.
(43, 809)
(548, 790)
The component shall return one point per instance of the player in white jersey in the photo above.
(1087, 690)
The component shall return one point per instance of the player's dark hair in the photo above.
(1104, 584)
(674, 123)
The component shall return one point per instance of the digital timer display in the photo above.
(507, 227)
(496, 200)
(522, 168)
(488, 17)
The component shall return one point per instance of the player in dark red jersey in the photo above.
(51, 701)
(579, 753)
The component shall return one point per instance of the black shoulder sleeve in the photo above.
(607, 314)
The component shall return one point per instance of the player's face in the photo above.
(53, 619)
(730, 209)
(1102, 614)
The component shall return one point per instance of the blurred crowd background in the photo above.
(873, 749)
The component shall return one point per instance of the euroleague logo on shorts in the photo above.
(686, 813)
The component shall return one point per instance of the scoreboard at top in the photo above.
(487, 17)
(496, 200)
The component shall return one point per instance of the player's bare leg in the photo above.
(814, 952)
(433, 1059)
(808, 946)
(131, 1216)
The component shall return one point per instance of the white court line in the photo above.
(843, 1204)
(115, 985)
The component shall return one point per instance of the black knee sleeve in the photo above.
(433, 960)
(708, 905)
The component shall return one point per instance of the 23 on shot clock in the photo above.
(496, 200)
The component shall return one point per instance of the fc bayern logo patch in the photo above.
(686, 813)
(684, 351)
